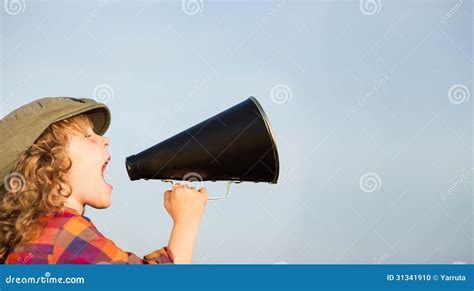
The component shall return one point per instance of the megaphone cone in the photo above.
(234, 145)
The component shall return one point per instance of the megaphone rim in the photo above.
(272, 137)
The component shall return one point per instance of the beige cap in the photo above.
(22, 127)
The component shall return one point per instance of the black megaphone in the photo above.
(236, 145)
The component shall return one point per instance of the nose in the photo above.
(105, 142)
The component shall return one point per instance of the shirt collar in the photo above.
(67, 211)
(70, 211)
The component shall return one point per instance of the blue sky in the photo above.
(379, 91)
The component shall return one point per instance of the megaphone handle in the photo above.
(229, 190)
(169, 181)
(226, 194)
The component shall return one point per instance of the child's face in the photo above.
(89, 156)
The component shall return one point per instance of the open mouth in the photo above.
(104, 166)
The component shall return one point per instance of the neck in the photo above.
(79, 207)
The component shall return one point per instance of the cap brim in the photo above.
(98, 113)
(100, 118)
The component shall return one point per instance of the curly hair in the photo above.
(38, 184)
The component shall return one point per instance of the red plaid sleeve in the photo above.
(79, 242)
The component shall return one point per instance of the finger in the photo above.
(167, 195)
(189, 186)
(203, 192)
(167, 198)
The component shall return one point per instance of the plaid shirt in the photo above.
(70, 238)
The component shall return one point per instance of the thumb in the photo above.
(167, 197)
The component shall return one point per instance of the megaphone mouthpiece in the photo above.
(132, 168)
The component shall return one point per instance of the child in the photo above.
(52, 162)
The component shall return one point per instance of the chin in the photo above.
(105, 202)
(102, 197)
(101, 205)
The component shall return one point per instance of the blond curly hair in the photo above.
(38, 184)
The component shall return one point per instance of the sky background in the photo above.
(369, 102)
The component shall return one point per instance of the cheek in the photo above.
(84, 166)
(80, 177)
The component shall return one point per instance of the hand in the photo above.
(185, 205)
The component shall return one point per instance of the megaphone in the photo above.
(236, 145)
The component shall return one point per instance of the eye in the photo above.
(88, 135)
